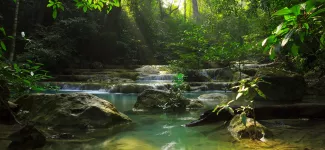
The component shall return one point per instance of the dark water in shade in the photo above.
(163, 131)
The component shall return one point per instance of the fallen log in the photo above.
(288, 111)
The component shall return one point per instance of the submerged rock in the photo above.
(70, 110)
(159, 100)
(282, 86)
(195, 104)
(26, 138)
(213, 98)
(238, 130)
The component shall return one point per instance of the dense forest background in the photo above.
(187, 33)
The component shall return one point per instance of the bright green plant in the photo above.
(3, 37)
(301, 34)
(247, 91)
(21, 78)
(176, 92)
(24, 78)
(85, 5)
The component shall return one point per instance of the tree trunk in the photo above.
(195, 10)
(185, 10)
(290, 111)
(14, 33)
(161, 10)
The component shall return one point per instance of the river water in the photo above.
(164, 131)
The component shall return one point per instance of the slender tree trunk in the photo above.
(14, 33)
(185, 10)
(195, 10)
(161, 9)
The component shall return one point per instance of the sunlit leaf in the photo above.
(287, 37)
(295, 10)
(3, 46)
(264, 41)
(231, 111)
(272, 53)
(282, 12)
(239, 95)
(278, 28)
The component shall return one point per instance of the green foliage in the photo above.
(301, 34)
(176, 91)
(55, 45)
(247, 91)
(21, 78)
(3, 37)
(24, 78)
(85, 5)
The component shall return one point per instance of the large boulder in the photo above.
(196, 76)
(238, 130)
(70, 110)
(280, 85)
(159, 100)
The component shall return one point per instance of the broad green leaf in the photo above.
(3, 31)
(290, 18)
(10, 37)
(85, 8)
(243, 118)
(3, 46)
(282, 12)
(278, 28)
(54, 14)
(264, 41)
(306, 26)
(260, 93)
(295, 50)
(310, 5)
(50, 5)
(295, 9)
(287, 37)
(109, 9)
(239, 95)
(272, 53)
(27, 82)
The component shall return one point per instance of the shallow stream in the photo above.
(163, 131)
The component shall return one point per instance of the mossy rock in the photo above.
(78, 110)
(239, 131)
(157, 99)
